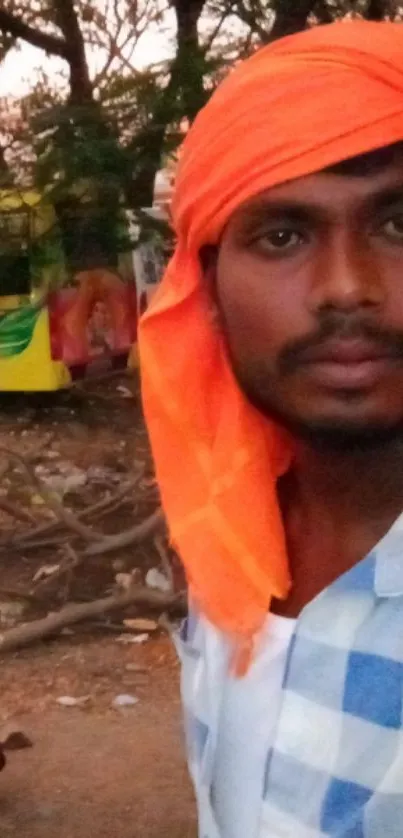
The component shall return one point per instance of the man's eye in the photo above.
(280, 241)
(393, 228)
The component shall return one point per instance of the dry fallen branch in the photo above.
(29, 633)
(16, 511)
(64, 516)
(18, 593)
(71, 562)
(109, 543)
(69, 529)
(10, 508)
(140, 532)
(165, 561)
(35, 538)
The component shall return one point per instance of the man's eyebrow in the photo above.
(305, 211)
(386, 197)
(296, 210)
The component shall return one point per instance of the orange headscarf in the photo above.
(295, 107)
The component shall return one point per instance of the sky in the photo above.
(17, 71)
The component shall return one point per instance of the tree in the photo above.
(114, 123)
(76, 137)
(129, 119)
(267, 20)
(86, 130)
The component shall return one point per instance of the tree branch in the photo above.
(66, 18)
(376, 9)
(42, 40)
(62, 514)
(248, 16)
(291, 17)
(72, 614)
(140, 532)
(216, 31)
(29, 540)
(323, 12)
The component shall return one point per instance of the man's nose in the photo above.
(347, 277)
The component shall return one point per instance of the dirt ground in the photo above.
(92, 768)
(95, 770)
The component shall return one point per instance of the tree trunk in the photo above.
(322, 12)
(81, 89)
(190, 59)
(291, 16)
(6, 176)
(376, 9)
(186, 83)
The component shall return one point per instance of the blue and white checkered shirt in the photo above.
(334, 766)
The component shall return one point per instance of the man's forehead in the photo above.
(370, 162)
(371, 177)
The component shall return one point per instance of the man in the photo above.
(273, 389)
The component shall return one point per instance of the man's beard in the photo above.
(329, 434)
(259, 382)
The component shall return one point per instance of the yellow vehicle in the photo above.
(66, 309)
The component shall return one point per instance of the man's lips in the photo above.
(348, 364)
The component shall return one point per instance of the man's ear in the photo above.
(208, 260)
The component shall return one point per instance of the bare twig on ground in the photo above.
(16, 593)
(29, 633)
(17, 512)
(69, 529)
(42, 445)
(33, 538)
(65, 569)
(72, 522)
(110, 543)
(165, 561)
(63, 514)
(165, 623)
(10, 508)
(73, 560)
(153, 524)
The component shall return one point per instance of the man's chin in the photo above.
(338, 435)
(355, 424)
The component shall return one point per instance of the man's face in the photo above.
(309, 283)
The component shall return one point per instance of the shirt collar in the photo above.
(388, 556)
(381, 571)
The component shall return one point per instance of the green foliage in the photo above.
(101, 141)
(16, 330)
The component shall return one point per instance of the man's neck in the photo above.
(336, 506)
(352, 486)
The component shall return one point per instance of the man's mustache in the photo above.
(336, 326)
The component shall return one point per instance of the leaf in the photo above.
(124, 392)
(36, 500)
(16, 330)
(157, 580)
(45, 571)
(135, 639)
(70, 701)
(124, 701)
(141, 625)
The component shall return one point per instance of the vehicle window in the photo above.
(15, 240)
